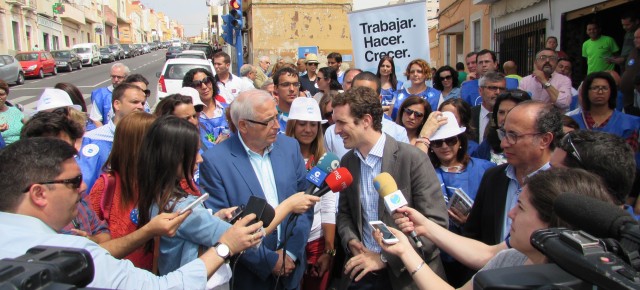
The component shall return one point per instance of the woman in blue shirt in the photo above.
(212, 119)
(418, 72)
(389, 83)
(446, 81)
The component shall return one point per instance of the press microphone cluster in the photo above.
(328, 176)
(393, 198)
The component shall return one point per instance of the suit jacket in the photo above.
(485, 221)
(261, 77)
(227, 175)
(475, 122)
(417, 181)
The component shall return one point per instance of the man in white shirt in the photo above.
(229, 84)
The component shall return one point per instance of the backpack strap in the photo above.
(107, 196)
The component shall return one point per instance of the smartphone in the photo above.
(387, 237)
(236, 214)
(196, 202)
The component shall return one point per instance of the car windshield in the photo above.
(27, 56)
(189, 55)
(60, 54)
(177, 71)
(175, 49)
(105, 50)
(113, 46)
(82, 49)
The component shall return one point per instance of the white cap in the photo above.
(451, 128)
(305, 109)
(193, 93)
(55, 98)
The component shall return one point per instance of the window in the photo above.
(520, 41)
(477, 35)
(66, 41)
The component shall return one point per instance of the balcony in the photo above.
(72, 13)
(91, 15)
(16, 2)
(31, 5)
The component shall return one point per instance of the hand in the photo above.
(225, 213)
(409, 219)
(540, 76)
(166, 224)
(322, 265)
(289, 265)
(471, 76)
(358, 266)
(458, 217)
(398, 249)
(386, 109)
(4, 127)
(300, 203)
(221, 137)
(356, 247)
(435, 121)
(80, 233)
(241, 235)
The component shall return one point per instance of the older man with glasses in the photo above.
(545, 84)
(260, 162)
(528, 136)
(491, 85)
(101, 111)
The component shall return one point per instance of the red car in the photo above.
(37, 63)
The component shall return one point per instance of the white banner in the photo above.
(399, 31)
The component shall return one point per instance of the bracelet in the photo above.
(417, 269)
(331, 252)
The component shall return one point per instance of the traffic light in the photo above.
(235, 10)
(227, 28)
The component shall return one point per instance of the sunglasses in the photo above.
(446, 78)
(410, 112)
(147, 93)
(198, 83)
(449, 141)
(75, 182)
(572, 150)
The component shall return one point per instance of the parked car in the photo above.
(107, 55)
(206, 48)
(192, 54)
(11, 70)
(37, 63)
(145, 48)
(172, 52)
(117, 50)
(153, 45)
(67, 59)
(137, 48)
(166, 44)
(128, 51)
(173, 71)
(89, 53)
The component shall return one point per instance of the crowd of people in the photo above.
(113, 179)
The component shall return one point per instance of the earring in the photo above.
(460, 147)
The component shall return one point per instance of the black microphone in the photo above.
(596, 217)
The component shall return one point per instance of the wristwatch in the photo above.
(383, 258)
(331, 253)
(546, 85)
(223, 251)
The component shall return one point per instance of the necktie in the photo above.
(488, 127)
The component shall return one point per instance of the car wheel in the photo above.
(41, 74)
(91, 63)
(69, 67)
(99, 61)
(79, 65)
(55, 71)
(20, 79)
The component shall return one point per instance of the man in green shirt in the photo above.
(599, 50)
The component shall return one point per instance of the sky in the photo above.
(192, 14)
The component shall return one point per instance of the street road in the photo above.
(88, 79)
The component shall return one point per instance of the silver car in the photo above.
(11, 70)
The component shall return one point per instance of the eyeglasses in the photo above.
(512, 138)
(328, 115)
(572, 149)
(514, 93)
(451, 141)
(446, 78)
(287, 84)
(118, 77)
(599, 88)
(312, 64)
(147, 93)
(546, 58)
(75, 182)
(268, 123)
(198, 83)
(410, 112)
(493, 88)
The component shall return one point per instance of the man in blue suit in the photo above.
(257, 161)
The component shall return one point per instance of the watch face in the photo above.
(222, 250)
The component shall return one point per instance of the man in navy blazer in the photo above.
(257, 161)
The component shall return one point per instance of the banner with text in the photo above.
(399, 31)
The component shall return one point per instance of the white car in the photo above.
(173, 71)
(197, 54)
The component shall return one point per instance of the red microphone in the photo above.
(336, 181)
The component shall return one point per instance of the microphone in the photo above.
(596, 217)
(316, 176)
(393, 198)
(336, 181)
